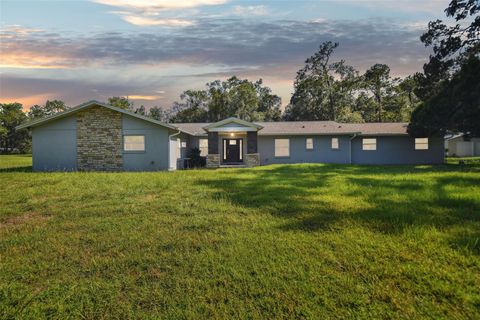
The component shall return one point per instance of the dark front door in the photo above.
(233, 150)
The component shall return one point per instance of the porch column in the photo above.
(252, 158)
(213, 156)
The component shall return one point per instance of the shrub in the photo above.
(196, 160)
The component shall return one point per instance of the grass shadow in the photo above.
(384, 199)
(17, 169)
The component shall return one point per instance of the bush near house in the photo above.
(283, 241)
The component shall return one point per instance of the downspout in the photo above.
(353, 137)
(169, 155)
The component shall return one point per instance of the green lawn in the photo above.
(298, 241)
(467, 160)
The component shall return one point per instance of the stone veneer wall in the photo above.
(213, 160)
(99, 140)
(252, 159)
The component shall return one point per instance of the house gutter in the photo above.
(353, 137)
(169, 156)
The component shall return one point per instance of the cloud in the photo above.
(142, 97)
(231, 43)
(173, 60)
(144, 21)
(153, 12)
(430, 6)
(250, 10)
(159, 4)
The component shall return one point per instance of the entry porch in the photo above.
(232, 142)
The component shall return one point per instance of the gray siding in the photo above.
(54, 146)
(398, 150)
(321, 153)
(390, 150)
(155, 156)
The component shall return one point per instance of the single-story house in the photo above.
(460, 146)
(97, 136)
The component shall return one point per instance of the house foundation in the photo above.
(252, 160)
(213, 160)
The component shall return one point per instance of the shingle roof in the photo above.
(269, 128)
(384, 128)
(312, 127)
(303, 127)
(195, 129)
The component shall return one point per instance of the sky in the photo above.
(152, 50)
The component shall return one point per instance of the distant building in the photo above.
(458, 146)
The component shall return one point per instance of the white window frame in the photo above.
(282, 151)
(128, 146)
(369, 144)
(224, 149)
(421, 143)
(309, 143)
(203, 148)
(335, 144)
(179, 148)
(241, 149)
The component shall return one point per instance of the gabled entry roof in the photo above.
(232, 124)
(85, 105)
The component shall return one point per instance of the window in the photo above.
(134, 143)
(309, 144)
(369, 144)
(421, 143)
(224, 149)
(203, 146)
(282, 147)
(334, 143)
(179, 149)
(241, 149)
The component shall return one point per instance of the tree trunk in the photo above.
(379, 102)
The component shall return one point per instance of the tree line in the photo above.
(444, 97)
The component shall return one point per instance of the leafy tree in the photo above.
(453, 43)
(345, 88)
(244, 101)
(454, 48)
(408, 86)
(313, 96)
(455, 108)
(121, 102)
(364, 107)
(378, 82)
(3, 133)
(324, 90)
(141, 110)
(221, 99)
(159, 114)
(268, 103)
(193, 107)
(50, 108)
(12, 115)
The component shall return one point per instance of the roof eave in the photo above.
(309, 133)
(65, 113)
(232, 119)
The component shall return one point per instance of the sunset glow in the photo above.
(138, 48)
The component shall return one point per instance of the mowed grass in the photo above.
(294, 241)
